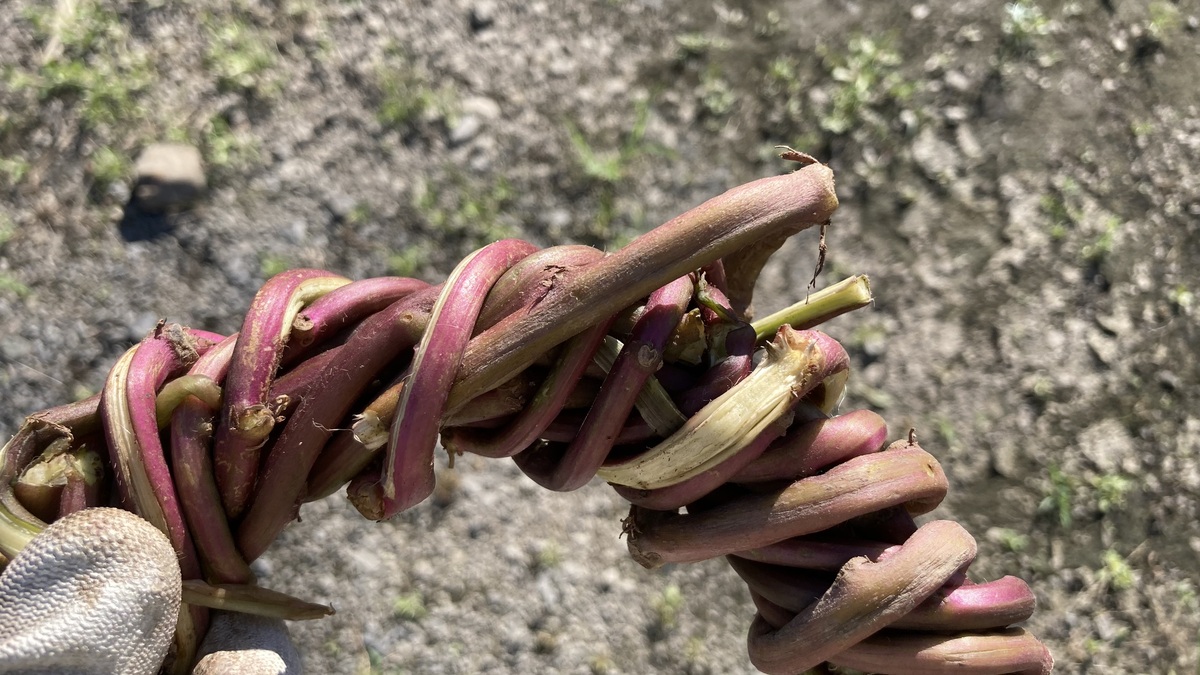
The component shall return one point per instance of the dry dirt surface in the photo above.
(1021, 182)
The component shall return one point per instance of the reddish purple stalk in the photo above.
(191, 444)
(900, 475)
(737, 364)
(692, 240)
(408, 476)
(994, 604)
(377, 342)
(1000, 653)
(345, 307)
(158, 358)
(246, 417)
(864, 597)
(640, 357)
(541, 411)
(808, 448)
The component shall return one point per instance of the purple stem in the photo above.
(813, 554)
(897, 651)
(155, 360)
(739, 345)
(191, 445)
(984, 606)
(375, 343)
(1000, 653)
(527, 283)
(993, 604)
(864, 597)
(343, 458)
(687, 242)
(900, 475)
(566, 428)
(408, 476)
(291, 387)
(542, 409)
(344, 307)
(246, 419)
(807, 449)
(80, 492)
(640, 357)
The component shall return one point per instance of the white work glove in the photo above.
(98, 592)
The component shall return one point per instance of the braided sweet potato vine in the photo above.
(638, 366)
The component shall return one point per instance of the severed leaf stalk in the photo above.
(731, 422)
(250, 599)
(844, 296)
(37, 433)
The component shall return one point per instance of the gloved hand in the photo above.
(99, 592)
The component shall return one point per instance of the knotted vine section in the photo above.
(640, 367)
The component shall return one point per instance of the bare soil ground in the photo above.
(1020, 181)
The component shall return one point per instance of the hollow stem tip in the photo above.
(795, 362)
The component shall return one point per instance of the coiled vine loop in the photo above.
(638, 366)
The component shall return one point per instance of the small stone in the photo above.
(1169, 380)
(957, 81)
(1107, 445)
(482, 15)
(168, 176)
(1006, 458)
(482, 107)
(956, 113)
(340, 206)
(967, 143)
(1106, 348)
(465, 129)
(118, 192)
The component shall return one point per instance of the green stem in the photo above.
(174, 392)
(250, 599)
(845, 296)
(15, 534)
(653, 401)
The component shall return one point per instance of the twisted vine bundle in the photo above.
(637, 366)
